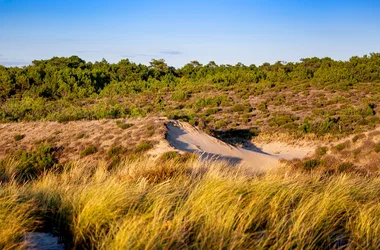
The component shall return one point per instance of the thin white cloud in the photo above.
(170, 52)
(139, 55)
(12, 62)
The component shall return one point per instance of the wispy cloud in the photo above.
(12, 61)
(163, 52)
(8, 63)
(139, 55)
(170, 52)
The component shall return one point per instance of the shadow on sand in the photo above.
(241, 137)
(173, 135)
(176, 134)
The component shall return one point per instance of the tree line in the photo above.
(74, 78)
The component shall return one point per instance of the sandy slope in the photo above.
(184, 137)
(74, 137)
(286, 151)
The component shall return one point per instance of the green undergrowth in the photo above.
(315, 96)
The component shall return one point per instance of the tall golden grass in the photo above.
(146, 204)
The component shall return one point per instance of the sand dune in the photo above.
(184, 137)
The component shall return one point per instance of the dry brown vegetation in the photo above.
(74, 137)
(358, 153)
(183, 203)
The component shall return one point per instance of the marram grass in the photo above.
(143, 204)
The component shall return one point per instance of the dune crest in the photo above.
(184, 137)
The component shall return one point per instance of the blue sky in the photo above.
(224, 31)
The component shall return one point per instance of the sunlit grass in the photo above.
(191, 204)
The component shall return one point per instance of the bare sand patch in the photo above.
(184, 137)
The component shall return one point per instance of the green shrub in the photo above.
(280, 119)
(311, 164)
(356, 152)
(32, 164)
(115, 150)
(357, 137)
(341, 146)
(263, 107)
(211, 111)
(346, 167)
(180, 96)
(80, 136)
(88, 151)
(220, 124)
(254, 132)
(18, 137)
(171, 155)
(238, 107)
(143, 147)
(377, 148)
(175, 156)
(124, 125)
(321, 151)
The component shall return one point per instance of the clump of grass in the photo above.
(150, 128)
(115, 150)
(171, 155)
(88, 151)
(377, 148)
(143, 147)
(195, 204)
(80, 136)
(18, 137)
(123, 125)
(346, 167)
(320, 151)
(15, 219)
(32, 164)
(311, 164)
(357, 137)
(341, 146)
(177, 157)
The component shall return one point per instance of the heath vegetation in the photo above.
(316, 96)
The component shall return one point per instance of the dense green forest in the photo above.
(314, 96)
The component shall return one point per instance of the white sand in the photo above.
(286, 151)
(184, 137)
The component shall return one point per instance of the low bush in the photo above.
(18, 137)
(377, 148)
(311, 164)
(341, 146)
(346, 167)
(32, 164)
(124, 125)
(115, 150)
(143, 147)
(320, 151)
(357, 137)
(238, 107)
(88, 151)
(80, 136)
(171, 155)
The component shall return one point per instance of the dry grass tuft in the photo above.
(185, 203)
